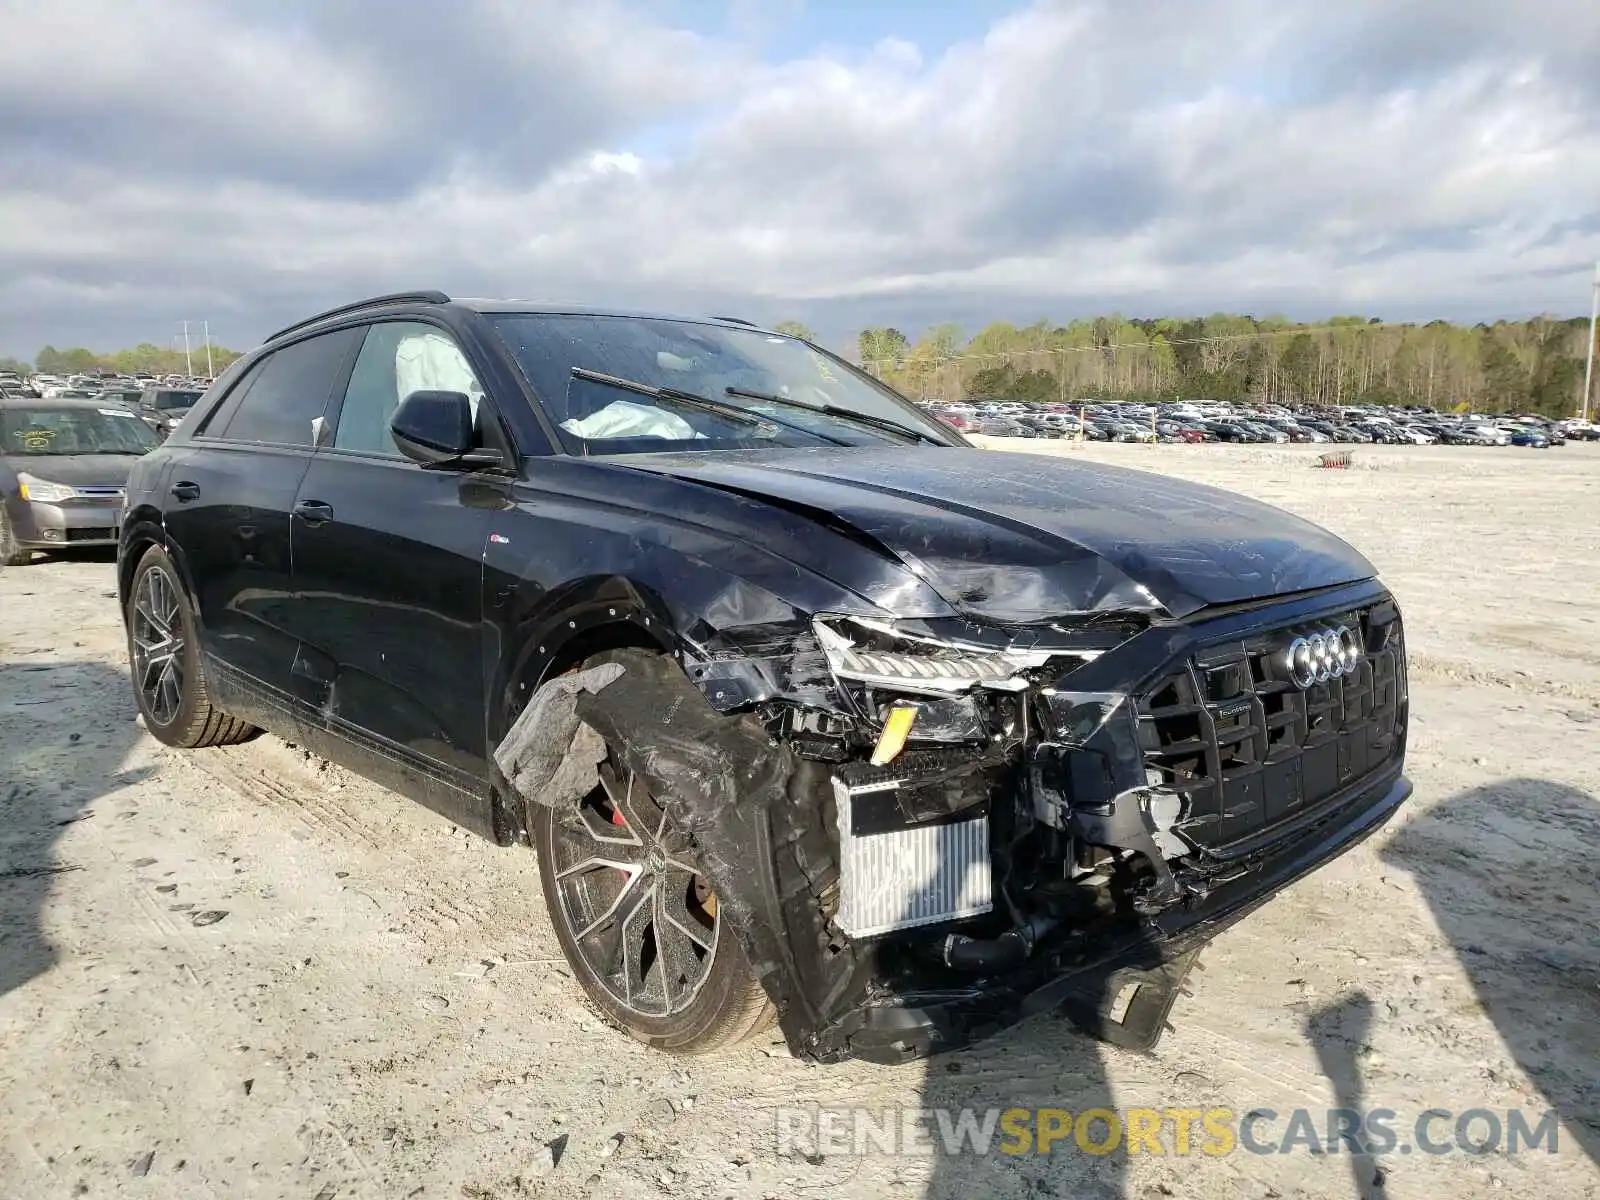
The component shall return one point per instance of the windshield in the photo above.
(56, 432)
(171, 400)
(594, 416)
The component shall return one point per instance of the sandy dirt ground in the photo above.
(243, 972)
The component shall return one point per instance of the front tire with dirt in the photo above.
(169, 682)
(12, 554)
(641, 930)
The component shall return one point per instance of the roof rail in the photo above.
(737, 321)
(431, 296)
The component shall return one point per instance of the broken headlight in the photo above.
(865, 652)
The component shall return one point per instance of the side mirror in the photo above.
(433, 428)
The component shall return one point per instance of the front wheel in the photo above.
(12, 554)
(641, 929)
(168, 677)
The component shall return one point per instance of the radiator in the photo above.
(900, 877)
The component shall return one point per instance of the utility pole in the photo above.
(188, 361)
(1594, 317)
(210, 373)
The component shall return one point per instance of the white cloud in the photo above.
(1440, 158)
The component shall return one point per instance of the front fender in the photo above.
(532, 635)
(736, 614)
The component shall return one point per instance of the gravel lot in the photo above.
(245, 973)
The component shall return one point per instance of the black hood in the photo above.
(1024, 537)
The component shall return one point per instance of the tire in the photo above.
(723, 1004)
(169, 683)
(11, 554)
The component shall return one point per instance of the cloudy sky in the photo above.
(250, 162)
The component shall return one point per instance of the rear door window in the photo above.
(288, 390)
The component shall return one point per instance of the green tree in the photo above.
(883, 347)
(1300, 364)
(797, 329)
(15, 366)
(146, 356)
(1504, 377)
(1006, 383)
(66, 362)
(1556, 386)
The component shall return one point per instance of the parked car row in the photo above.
(160, 402)
(1125, 422)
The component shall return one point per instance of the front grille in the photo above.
(91, 535)
(1247, 750)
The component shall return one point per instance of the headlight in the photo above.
(42, 489)
(885, 659)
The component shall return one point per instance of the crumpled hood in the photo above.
(1023, 537)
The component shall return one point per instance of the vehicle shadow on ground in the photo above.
(1044, 1063)
(1050, 1062)
(1509, 871)
(1337, 1032)
(85, 554)
(58, 760)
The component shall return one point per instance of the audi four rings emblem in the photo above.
(1321, 656)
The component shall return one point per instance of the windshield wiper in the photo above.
(843, 414)
(735, 412)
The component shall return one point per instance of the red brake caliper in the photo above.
(618, 819)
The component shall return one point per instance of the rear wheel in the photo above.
(11, 553)
(168, 677)
(642, 930)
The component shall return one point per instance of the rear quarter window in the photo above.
(276, 401)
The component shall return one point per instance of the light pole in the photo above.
(210, 373)
(1588, 371)
(188, 361)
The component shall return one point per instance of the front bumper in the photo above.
(1084, 982)
(768, 828)
(40, 525)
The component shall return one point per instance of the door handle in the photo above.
(185, 491)
(314, 512)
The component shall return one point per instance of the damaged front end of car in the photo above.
(924, 830)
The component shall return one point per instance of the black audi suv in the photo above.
(811, 711)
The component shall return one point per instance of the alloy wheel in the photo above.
(641, 916)
(158, 645)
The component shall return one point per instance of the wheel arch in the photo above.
(580, 620)
(142, 529)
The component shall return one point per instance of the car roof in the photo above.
(551, 309)
(69, 403)
(404, 301)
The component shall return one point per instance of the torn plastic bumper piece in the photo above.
(1091, 780)
(1154, 959)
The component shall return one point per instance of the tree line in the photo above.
(1510, 366)
(146, 357)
